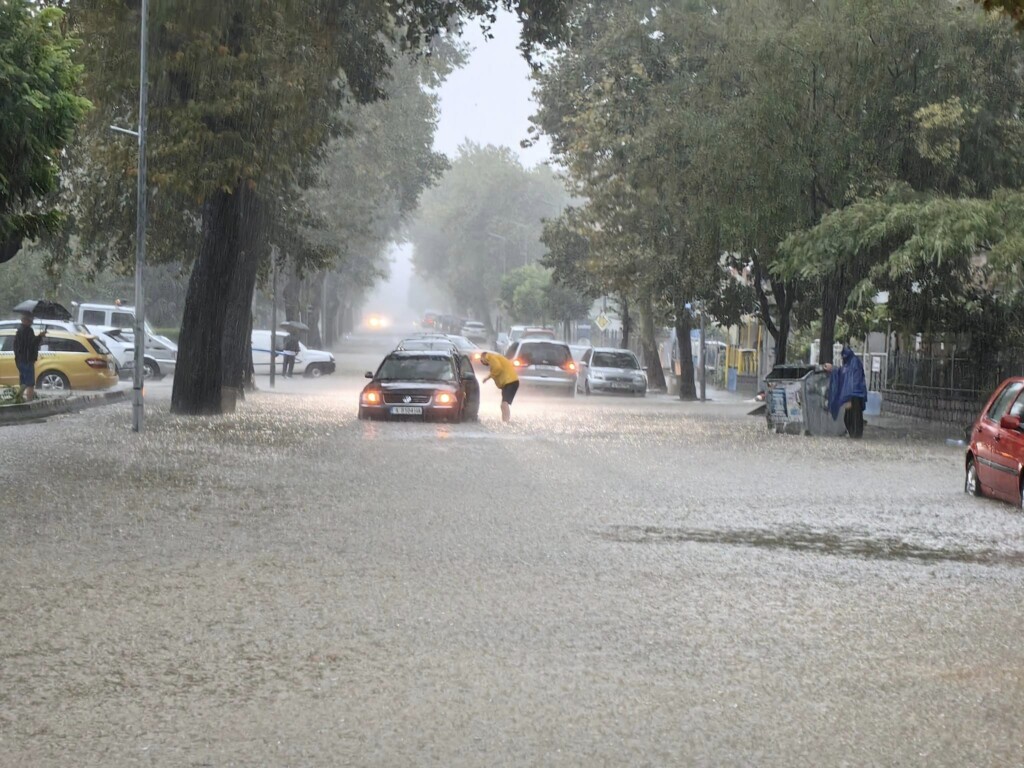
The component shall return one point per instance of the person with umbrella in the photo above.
(26, 352)
(291, 346)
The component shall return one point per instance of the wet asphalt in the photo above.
(605, 582)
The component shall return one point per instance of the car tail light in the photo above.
(444, 398)
(371, 398)
(96, 362)
(517, 363)
(476, 355)
(570, 366)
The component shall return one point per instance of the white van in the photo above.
(308, 362)
(161, 353)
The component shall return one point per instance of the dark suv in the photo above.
(419, 384)
(544, 364)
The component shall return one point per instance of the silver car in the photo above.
(544, 364)
(607, 369)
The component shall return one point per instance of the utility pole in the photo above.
(138, 380)
(273, 313)
(701, 360)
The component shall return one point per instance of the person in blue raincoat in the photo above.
(848, 392)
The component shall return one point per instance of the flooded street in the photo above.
(606, 581)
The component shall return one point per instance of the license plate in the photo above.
(407, 410)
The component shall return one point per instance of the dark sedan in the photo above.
(417, 384)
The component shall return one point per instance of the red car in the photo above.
(995, 453)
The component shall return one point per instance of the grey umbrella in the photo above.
(294, 325)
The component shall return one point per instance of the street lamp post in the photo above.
(138, 378)
(138, 408)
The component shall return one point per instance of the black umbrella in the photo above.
(44, 310)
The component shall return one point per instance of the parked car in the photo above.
(465, 354)
(995, 449)
(544, 365)
(418, 384)
(608, 369)
(474, 330)
(161, 356)
(67, 360)
(122, 352)
(313, 363)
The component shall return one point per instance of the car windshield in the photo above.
(425, 344)
(418, 368)
(544, 354)
(615, 360)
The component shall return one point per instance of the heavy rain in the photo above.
(511, 383)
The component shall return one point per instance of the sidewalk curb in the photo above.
(47, 407)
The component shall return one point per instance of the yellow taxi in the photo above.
(66, 361)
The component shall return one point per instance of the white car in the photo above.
(308, 362)
(474, 330)
(609, 369)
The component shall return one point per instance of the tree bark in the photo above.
(626, 323)
(236, 343)
(687, 384)
(832, 295)
(655, 372)
(316, 332)
(199, 371)
(292, 294)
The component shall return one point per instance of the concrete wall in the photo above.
(936, 408)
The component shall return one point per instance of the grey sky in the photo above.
(489, 100)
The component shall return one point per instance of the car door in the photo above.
(1010, 453)
(472, 385)
(994, 470)
(8, 370)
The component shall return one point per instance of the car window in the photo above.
(1001, 403)
(418, 368)
(122, 320)
(544, 353)
(1017, 409)
(94, 317)
(8, 343)
(615, 360)
(62, 345)
(99, 346)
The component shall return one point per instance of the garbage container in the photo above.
(797, 400)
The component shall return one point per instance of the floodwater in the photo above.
(607, 581)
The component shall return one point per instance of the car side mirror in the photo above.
(469, 375)
(368, 374)
(1010, 422)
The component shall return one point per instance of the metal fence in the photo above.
(954, 377)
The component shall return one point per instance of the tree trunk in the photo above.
(316, 331)
(199, 372)
(649, 344)
(831, 297)
(687, 384)
(236, 342)
(626, 323)
(292, 294)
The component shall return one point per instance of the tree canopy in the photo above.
(40, 106)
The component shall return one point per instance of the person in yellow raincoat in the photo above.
(505, 378)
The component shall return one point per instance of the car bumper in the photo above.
(552, 383)
(618, 387)
(409, 412)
